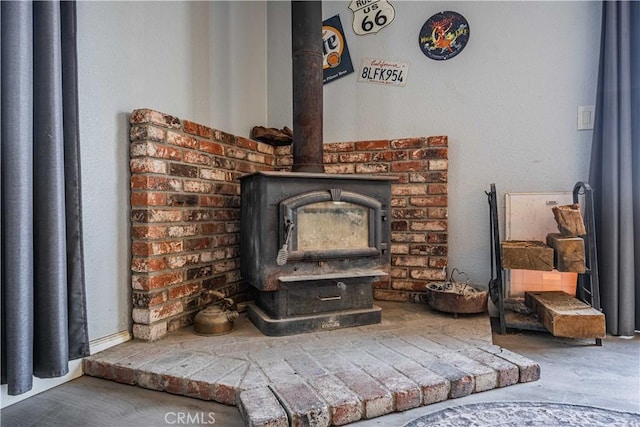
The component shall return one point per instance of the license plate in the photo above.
(379, 71)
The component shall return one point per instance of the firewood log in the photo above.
(568, 252)
(569, 220)
(527, 255)
(272, 136)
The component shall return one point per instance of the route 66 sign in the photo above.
(370, 16)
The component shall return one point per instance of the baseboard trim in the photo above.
(104, 343)
(75, 370)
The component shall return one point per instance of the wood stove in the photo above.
(311, 246)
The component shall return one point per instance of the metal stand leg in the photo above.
(496, 286)
(588, 289)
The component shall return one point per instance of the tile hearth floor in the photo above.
(414, 357)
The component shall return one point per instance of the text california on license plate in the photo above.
(379, 71)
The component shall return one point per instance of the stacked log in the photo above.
(568, 245)
(527, 255)
(563, 251)
(565, 316)
(569, 220)
(568, 252)
(272, 136)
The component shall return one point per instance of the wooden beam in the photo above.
(568, 253)
(272, 136)
(566, 316)
(527, 255)
(569, 220)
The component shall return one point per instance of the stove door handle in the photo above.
(338, 297)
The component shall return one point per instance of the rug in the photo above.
(519, 414)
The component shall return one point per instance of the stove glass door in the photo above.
(332, 225)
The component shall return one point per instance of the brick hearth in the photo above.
(185, 210)
(415, 357)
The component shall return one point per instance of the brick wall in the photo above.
(419, 204)
(185, 210)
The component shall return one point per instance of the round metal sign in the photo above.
(444, 35)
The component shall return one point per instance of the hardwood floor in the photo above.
(92, 402)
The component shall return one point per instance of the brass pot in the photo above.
(214, 321)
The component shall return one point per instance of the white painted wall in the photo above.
(182, 58)
(508, 102)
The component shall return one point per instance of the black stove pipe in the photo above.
(306, 48)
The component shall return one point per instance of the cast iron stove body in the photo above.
(311, 245)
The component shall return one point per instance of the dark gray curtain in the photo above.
(615, 166)
(43, 306)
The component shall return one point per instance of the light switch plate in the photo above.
(586, 117)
